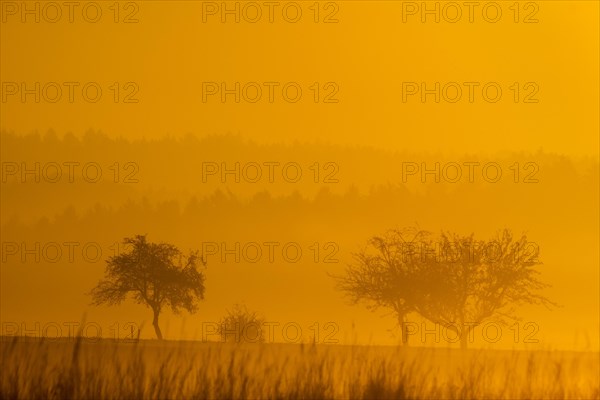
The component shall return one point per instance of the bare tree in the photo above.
(456, 281)
(473, 281)
(388, 273)
(157, 275)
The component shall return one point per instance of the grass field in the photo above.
(38, 369)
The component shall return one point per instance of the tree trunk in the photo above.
(155, 324)
(403, 333)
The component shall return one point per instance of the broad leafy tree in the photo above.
(157, 275)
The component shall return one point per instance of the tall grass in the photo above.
(38, 369)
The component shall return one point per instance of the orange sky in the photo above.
(370, 68)
(368, 54)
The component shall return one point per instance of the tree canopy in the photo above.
(157, 275)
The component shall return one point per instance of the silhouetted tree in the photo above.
(456, 282)
(155, 274)
(389, 273)
(474, 281)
